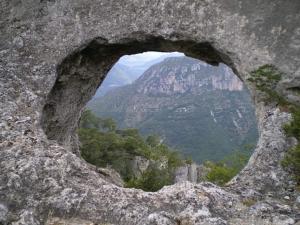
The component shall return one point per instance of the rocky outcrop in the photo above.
(111, 175)
(139, 165)
(54, 55)
(190, 172)
(227, 81)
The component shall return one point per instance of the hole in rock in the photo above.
(159, 117)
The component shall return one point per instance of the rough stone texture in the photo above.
(53, 56)
(139, 165)
(191, 172)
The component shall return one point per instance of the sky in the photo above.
(142, 58)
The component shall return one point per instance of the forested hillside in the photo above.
(126, 151)
(203, 111)
(104, 145)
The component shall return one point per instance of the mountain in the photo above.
(129, 68)
(203, 111)
(118, 76)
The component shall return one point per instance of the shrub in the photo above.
(293, 128)
(101, 144)
(222, 172)
(292, 158)
(249, 202)
(292, 162)
(266, 79)
(153, 179)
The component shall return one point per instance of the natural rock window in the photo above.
(54, 55)
(193, 113)
(202, 115)
(82, 72)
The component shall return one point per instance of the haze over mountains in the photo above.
(203, 111)
(130, 67)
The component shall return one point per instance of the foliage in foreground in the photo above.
(102, 144)
(153, 179)
(222, 172)
(292, 158)
(266, 79)
(292, 162)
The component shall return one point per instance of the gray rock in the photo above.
(111, 175)
(191, 172)
(3, 213)
(54, 55)
(139, 165)
(298, 200)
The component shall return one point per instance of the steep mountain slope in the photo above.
(203, 111)
(129, 68)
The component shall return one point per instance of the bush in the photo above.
(265, 79)
(153, 179)
(292, 158)
(102, 144)
(222, 172)
(292, 162)
(293, 128)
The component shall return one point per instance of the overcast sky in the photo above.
(142, 58)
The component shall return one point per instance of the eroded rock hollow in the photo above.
(54, 55)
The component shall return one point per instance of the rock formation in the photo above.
(54, 55)
(191, 172)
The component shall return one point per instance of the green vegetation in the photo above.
(198, 122)
(292, 159)
(292, 162)
(293, 128)
(249, 202)
(153, 179)
(102, 144)
(266, 79)
(223, 171)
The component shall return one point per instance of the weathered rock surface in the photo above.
(191, 172)
(54, 55)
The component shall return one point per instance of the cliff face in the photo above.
(203, 111)
(181, 75)
(128, 69)
(226, 81)
(54, 55)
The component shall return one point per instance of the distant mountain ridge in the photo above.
(203, 111)
(124, 72)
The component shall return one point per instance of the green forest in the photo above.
(104, 145)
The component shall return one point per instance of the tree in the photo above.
(108, 124)
(222, 172)
(89, 120)
(153, 140)
(153, 179)
(102, 144)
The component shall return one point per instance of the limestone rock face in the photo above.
(139, 165)
(54, 55)
(190, 172)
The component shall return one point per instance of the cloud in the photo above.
(145, 57)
